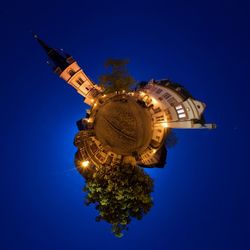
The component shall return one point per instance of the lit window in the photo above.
(85, 163)
(182, 115)
(172, 101)
(179, 111)
(160, 118)
(178, 107)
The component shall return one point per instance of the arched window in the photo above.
(71, 72)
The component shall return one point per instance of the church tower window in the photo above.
(80, 81)
(71, 72)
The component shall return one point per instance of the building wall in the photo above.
(76, 77)
(172, 107)
(179, 111)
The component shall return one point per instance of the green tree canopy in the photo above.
(118, 79)
(119, 193)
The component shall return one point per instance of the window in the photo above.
(178, 107)
(160, 119)
(71, 72)
(166, 95)
(179, 111)
(157, 110)
(182, 115)
(158, 91)
(80, 81)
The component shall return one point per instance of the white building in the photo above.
(173, 106)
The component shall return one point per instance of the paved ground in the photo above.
(123, 125)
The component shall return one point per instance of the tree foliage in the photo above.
(118, 79)
(119, 193)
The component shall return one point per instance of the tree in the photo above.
(118, 79)
(119, 193)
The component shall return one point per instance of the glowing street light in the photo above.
(164, 124)
(85, 164)
(154, 101)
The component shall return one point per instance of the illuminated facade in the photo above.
(65, 66)
(173, 105)
(131, 126)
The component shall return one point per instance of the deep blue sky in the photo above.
(201, 198)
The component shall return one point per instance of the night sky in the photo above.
(201, 198)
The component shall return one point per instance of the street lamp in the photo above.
(85, 164)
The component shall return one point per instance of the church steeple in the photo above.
(42, 43)
(58, 59)
(68, 69)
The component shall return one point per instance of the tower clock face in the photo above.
(123, 125)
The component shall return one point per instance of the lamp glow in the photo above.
(85, 164)
(164, 124)
(154, 151)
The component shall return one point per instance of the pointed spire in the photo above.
(46, 47)
(58, 59)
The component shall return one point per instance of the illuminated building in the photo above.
(122, 126)
(65, 66)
